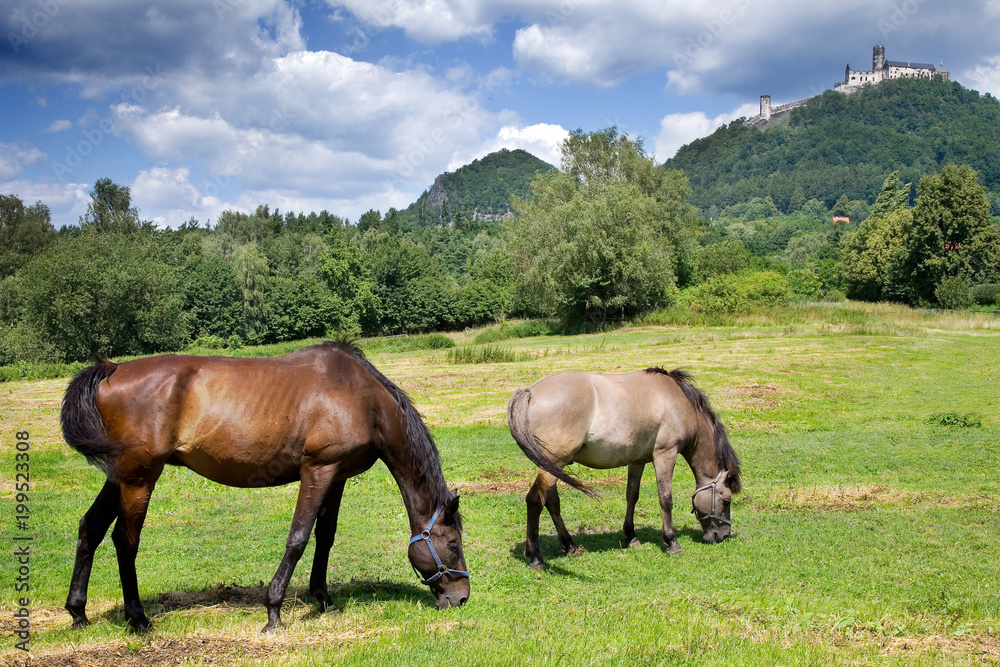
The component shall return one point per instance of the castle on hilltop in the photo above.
(883, 69)
(855, 80)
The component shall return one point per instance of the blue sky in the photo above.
(346, 105)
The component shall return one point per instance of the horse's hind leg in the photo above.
(133, 503)
(543, 494)
(631, 498)
(313, 490)
(326, 530)
(93, 527)
(555, 511)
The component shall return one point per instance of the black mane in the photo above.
(725, 455)
(423, 450)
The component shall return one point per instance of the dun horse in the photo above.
(609, 421)
(320, 415)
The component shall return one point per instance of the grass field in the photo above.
(867, 533)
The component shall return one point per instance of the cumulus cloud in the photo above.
(679, 129)
(59, 126)
(542, 140)
(985, 77)
(318, 126)
(54, 42)
(66, 201)
(15, 157)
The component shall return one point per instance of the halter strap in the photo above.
(704, 487)
(425, 535)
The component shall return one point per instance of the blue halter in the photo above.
(425, 535)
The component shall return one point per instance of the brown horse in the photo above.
(320, 415)
(609, 421)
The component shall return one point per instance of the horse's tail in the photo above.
(82, 425)
(517, 419)
(725, 455)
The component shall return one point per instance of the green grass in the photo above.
(867, 533)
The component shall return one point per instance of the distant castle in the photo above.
(883, 69)
(855, 80)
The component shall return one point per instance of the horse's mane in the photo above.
(725, 455)
(423, 450)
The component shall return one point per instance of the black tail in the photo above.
(517, 420)
(725, 455)
(82, 425)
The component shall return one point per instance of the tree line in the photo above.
(608, 237)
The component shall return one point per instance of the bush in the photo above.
(986, 295)
(208, 342)
(954, 292)
(510, 330)
(737, 293)
(805, 285)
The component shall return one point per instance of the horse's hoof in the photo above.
(140, 625)
(674, 550)
(537, 564)
(634, 542)
(271, 627)
(79, 623)
(574, 550)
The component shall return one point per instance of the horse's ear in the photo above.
(732, 472)
(452, 505)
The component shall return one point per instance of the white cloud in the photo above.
(544, 141)
(15, 157)
(59, 126)
(985, 77)
(679, 129)
(66, 201)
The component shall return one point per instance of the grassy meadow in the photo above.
(867, 533)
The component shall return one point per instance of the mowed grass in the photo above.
(868, 532)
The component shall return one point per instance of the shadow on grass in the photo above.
(599, 542)
(252, 597)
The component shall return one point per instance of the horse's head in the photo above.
(710, 504)
(437, 557)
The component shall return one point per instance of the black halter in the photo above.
(711, 515)
(425, 535)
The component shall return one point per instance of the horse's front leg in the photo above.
(631, 498)
(326, 530)
(313, 487)
(664, 460)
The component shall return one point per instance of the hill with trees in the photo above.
(839, 145)
(478, 191)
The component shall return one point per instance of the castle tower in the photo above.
(878, 58)
(765, 107)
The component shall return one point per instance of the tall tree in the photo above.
(601, 238)
(24, 231)
(951, 211)
(111, 210)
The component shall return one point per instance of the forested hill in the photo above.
(839, 144)
(480, 190)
